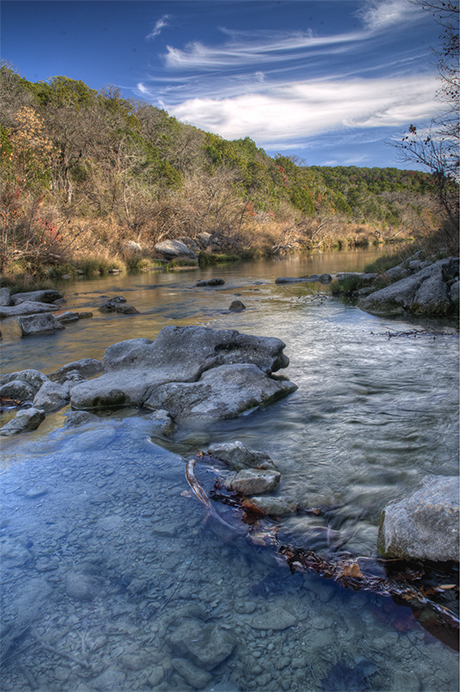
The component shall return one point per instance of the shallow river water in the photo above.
(114, 578)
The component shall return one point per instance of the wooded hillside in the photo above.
(83, 171)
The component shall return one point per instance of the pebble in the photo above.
(275, 619)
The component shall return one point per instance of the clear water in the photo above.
(113, 578)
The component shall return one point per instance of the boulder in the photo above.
(454, 292)
(51, 397)
(204, 239)
(191, 371)
(86, 367)
(132, 247)
(37, 324)
(424, 525)
(5, 296)
(237, 456)
(397, 273)
(253, 481)
(33, 377)
(174, 249)
(26, 420)
(17, 389)
(237, 306)
(325, 279)
(190, 243)
(432, 298)
(45, 296)
(181, 354)
(424, 293)
(26, 308)
(396, 298)
(221, 393)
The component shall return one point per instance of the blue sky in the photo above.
(328, 81)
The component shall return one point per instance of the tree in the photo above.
(436, 145)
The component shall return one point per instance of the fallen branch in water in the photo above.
(346, 572)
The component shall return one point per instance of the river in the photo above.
(114, 578)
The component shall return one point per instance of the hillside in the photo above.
(82, 172)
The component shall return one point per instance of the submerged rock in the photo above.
(210, 282)
(276, 619)
(424, 525)
(341, 677)
(207, 645)
(274, 506)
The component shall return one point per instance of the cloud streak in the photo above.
(303, 109)
(159, 25)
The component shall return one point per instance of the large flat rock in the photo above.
(190, 373)
(26, 308)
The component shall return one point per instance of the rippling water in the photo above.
(113, 578)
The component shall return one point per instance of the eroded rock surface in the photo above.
(425, 525)
(190, 372)
(37, 324)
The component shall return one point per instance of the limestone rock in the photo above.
(44, 296)
(51, 397)
(17, 389)
(5, 296)
(275, 506)
(26, 308)
(206, 644)
(221, 393)
(274, 619)
(237, 456)
(196, 677)
(163, 422)
(237, 306)
(25, 421)
(190, 372)
(173, 249)
(127, 310)
(132, 247)
(112, 304)
(204, 239)
(33, 377)
(210, 282)
(38, 324)
(79, 586)
(454, 292)
(432, 298)
(397, 273)
(86, 367)
(425, 525)
(77, 418)
(68, 316)
(253, 482)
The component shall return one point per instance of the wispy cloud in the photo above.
(159, 25)
(379, 15)
(249, 48)
(303, 109)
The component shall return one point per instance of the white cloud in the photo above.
(248, 48)
(303, 109)
(382, 14)
(159, 25)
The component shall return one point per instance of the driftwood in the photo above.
(346, 572)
